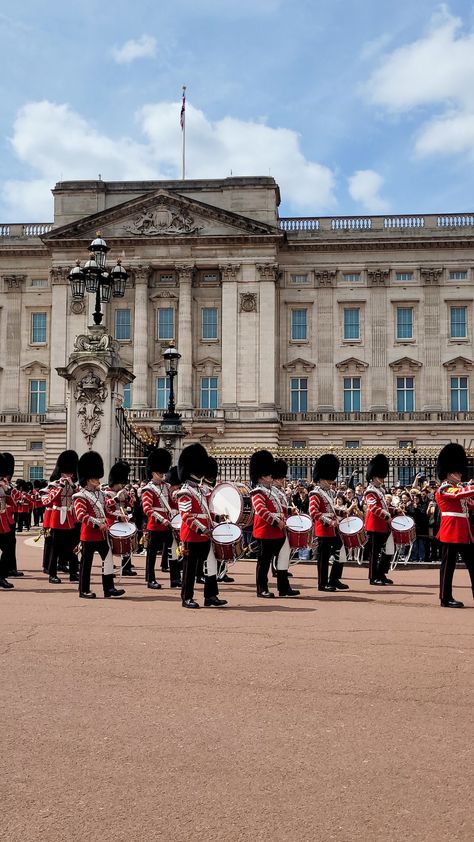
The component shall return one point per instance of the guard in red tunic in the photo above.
(268, 524)
(196, 528)
(47, 538)
(14, 500)
(208, 485)
(378, 518)
(91, 506)
(455, 499)
(323, 513)
(6, 523)
(62, 518)
(38, 507)
(123, 499)
(282, 561)
(158, 508)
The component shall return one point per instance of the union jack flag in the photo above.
(183, 108)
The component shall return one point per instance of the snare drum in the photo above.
(403, 530)
(231, 500)
(227, 542)
(299, 529)
(176, 526)
(352, 532)
(123, 538)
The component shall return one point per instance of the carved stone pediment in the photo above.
(208, 366)
(161, 214)
(352, 364)
(405, 364)
(459, 364)
(299, 364)
(35, 367)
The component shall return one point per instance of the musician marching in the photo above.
(62, 518)
(455, 500)
(323, 513)
(378, 519)
(196, 528)
(14, 499)
(159, 509)
(208, 485)
(91, 506)
(122, 496)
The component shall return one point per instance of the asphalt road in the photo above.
(331, 717)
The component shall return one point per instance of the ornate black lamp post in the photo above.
(171, 358)
(96, 278)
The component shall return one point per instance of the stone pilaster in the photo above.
(229, 274)
(185, 338)
(140, 338)
(268, 276)
(325, 339)
(58, 338)
(434, 390)
(378, 326)
(13, 286)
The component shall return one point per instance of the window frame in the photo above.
(217, 320)
(123, 310)
(38, 393)
(300, 392)
(351, 391)
(351, 309)
(293, 311)
(398, 308)
(211, 390)
(165, 389)
(405, 391)
(452, 337)
(34, 341)
(458, 390)
(172, 311)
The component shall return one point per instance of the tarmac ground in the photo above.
(345, 716)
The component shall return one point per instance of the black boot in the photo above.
(284, 587)
(110, 591)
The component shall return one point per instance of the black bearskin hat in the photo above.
(90, 466)
(10, 463)
(67, 462)
(212, 469)
(55, 475)
(119, 473)
(261, 464)
(21, 485)
(326, 467)
(452, 459)
(3, 466)
(38, 483)
(192, 461)
(159, 460)
(280, 469)
(378, 467)
(172, 476)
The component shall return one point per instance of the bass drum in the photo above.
(231, 501)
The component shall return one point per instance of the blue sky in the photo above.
(354, 106)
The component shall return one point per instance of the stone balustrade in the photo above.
(374, 417)
(397, 224)
(24, 230)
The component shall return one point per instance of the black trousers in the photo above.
(375, 544)
(10, 550)
(267, 549)
(196, 552)
(4, 563)
(47, 547)
(158, 542)
(87, 557)
(449, 555)
(63, 544)
(38, 515)
(325, 548)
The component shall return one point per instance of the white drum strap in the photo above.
(210, 565)
(108, 564)
(283, 560)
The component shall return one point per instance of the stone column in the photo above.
(268, 274)
(434, 389)
(229, 335)
(13, 286)
(140, 338)
(325, 280)
(185, 338)
(58, 338)
(379, 325)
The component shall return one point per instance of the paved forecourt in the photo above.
(342, 716)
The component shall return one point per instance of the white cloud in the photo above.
(58, 144)
(144, 47)
(436, 70)
(364, 186)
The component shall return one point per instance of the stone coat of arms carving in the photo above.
(163, 219)
(90, 392)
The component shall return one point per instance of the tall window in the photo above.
(38, 328)
(351, 394)
(299, 394)
(352, 323)
(123, 325)
(35, 472)
(209, 323)
(127, 396)
(404, 322)
(166, 323)
(38, 396)
(458, 322)
(299, 325)
(405, 394)
(162, 393)
(208, 392)
(459, 394)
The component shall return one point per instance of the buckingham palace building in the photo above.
(294, 332)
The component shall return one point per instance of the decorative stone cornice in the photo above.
(459, 364)
(229, 271)
(13, 283)
(377, 277)
(248, 302)
(405, 364)
(207, 366)
(431, 275)
(267, 271)
(299, 364)
(325, 277)
(35, 367)
(351, 364)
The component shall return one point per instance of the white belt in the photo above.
(62, 508)
(454, 514)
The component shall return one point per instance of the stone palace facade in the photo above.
(293, 332)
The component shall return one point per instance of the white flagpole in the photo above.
(183, 127)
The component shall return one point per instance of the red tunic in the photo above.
(376, 519)
(59, 500)
(194, 511)
(268, 509)
(91, 507)
(156, 504)
(6, 511)
(454, 503)
(322, 513)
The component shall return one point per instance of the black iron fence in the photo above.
(131, 447)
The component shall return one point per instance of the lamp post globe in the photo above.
(94, 277)
(171, 358)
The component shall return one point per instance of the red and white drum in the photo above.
(352, 532)
(299, 529)
(403, 530)
(227, 542)
(231, 500)
(123, 538)
(176, 526)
